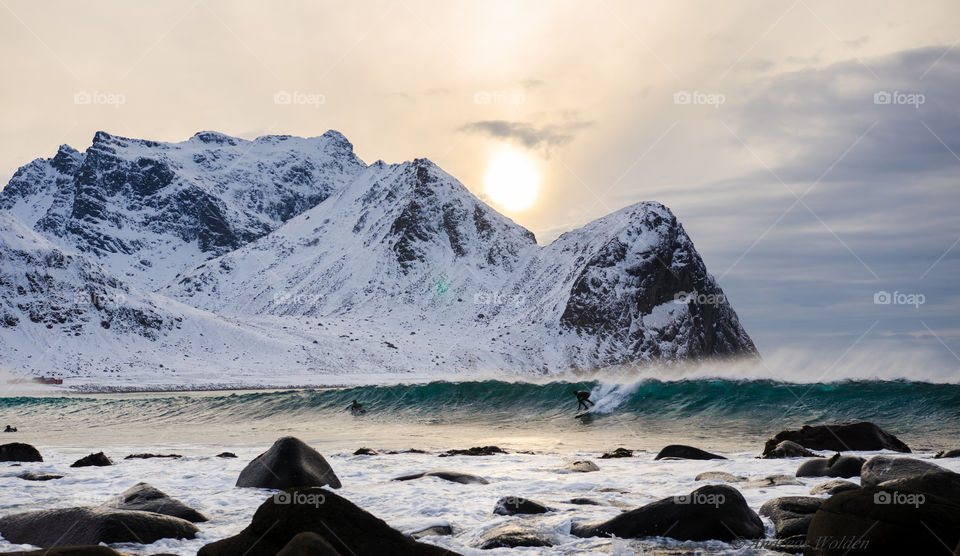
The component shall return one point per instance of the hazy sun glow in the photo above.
(512, 179)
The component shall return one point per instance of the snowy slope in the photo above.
(147, 210)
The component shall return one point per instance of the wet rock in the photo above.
(345, 527)
(839, 437)
(679, 451)
(879, 469)
(943, 484)
(18, 451)
(86, 526)
(512, 535)
(365, 452)
(719, 476)
(771, 481)
(288, 463)
(585, 502)
(791, 516)
(308, 543)
(711, 512)
(618, 453)
(475, 451)
(146, 498)
(579, 466)
(228, 455)
(947, 454)
(433, 531)
(790, 449)
(512, 505)
(835, 466)
(93, 460)
(452, 476)
(834, 486)
(33, 476)
(151, 456)
(876, 520)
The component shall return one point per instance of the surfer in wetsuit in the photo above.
(583, 398)
(356, 408)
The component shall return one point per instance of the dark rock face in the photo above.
(942, 484)
(512, 535)
(146, 498)
(650, 276)
(948, 454)
(618, 453)
(288, 463)
(835, 466)
(70, 551)
(879, 469)
(86, 526)
(512, 505)
(308, 543)
(345, 527)
(679, 451)
(452, 476)
(18, 451)
(716, 512)
(834, 486)
(880, 521)
(790, 449)
(93, 460)
(791, 516)
(32, 476)
(840, 437)
(475, 451)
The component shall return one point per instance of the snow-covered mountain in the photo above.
(147, 210)
(397, 269)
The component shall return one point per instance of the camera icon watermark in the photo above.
(100, 300)
(299, 98)
(886, 498)
(503, 98)
(700, 498)
(900, 98)
(696, 97)
(697, 298)
(99, 98)
(899, 298)
(284, 498)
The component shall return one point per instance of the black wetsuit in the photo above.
(583, 398)
(356, 408)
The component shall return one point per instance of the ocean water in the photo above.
(731, 417)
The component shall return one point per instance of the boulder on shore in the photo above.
(834, 466)
(947, 454)
(512, 505)
(475, 451)
(679, 451)
(790, 449)
(834, 486)
(876, 520)
(93, 460)
(879, 469)
(512, 535)
(18, 451)
(840, 437)
(719, 476)
(712, 512)
(791, 516)
(618, 453)
(346, 528)
(87, 526)
(33, 476)
(452, 476)
(146, 498)
(308, 543)
(288, 463)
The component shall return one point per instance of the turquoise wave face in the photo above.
(909, 402)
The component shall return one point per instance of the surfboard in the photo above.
(584, 412)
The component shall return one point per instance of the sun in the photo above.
(512, 180)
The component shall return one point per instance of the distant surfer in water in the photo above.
(356, 408)
(583, 398)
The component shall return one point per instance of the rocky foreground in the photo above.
(889, 503)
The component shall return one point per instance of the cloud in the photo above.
(526, 134)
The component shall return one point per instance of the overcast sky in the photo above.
(764, 125)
